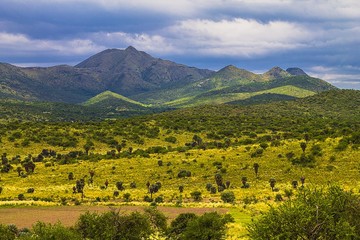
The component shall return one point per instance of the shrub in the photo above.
(147, 199)
(127, 197)
(6, 233)
(313, 214)
(112, 225)
(258, 153)
(196, 195)
(1, 189)
(228, 197)
(30, 190)
(56, 231)
(159, 199)
(21, 197)
(171, 139)
(132, 185)
(184, 173)
(208, 226)
(119, 186)
(179, 224)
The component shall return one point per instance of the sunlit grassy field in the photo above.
(52, 186)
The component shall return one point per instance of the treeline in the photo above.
(134, 226)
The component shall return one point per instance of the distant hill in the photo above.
(130, 80)
(231, 84)
(113, 102)
(129, 71)
(124, 72)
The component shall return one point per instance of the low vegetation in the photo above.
(251, 160)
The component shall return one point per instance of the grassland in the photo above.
(206, 141)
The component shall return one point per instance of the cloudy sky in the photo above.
(320, 36)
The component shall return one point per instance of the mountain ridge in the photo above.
(139, 77)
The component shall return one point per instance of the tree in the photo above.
(181, 188)
(256, 168)
(302, 180)
(29, 166)
(119, 186)
(92, 174)
(219, 179)
(118, 147)
(19, 170)
(303, 146)
(198, 140)
(71, 176)
(88, 145)
(80, 184)
(314, 214)
(244, 182)
(294, 184)
(272, 182)
(179, 224)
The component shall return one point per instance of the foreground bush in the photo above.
(44, 231)
(208, 226)
(314, 214)
(151, 224)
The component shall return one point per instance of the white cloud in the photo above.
(20, 44)
(238, 37)
(144, 42)
(337, 76)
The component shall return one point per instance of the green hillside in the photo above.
(233, 84)
(212, 98)
(116, 100)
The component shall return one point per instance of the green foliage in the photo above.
(314, 214)
(6, 233)
(184, 173)
(171, 139)
(43, 231)
(228, 197)
(112, 225)
(179, 225)
(208, 226)
(196, 195)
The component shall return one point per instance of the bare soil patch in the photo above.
(68, 215)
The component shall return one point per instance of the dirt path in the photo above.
(68, 215)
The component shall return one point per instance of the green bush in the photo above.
(44, 231)
(208, 226)
(313, 214)
(196, 195)
(6, 232)
(112, 225)
(228, 197)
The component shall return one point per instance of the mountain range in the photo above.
(129, 79)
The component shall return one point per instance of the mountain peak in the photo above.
(131, 49)
(296, 71)
(276, 72)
